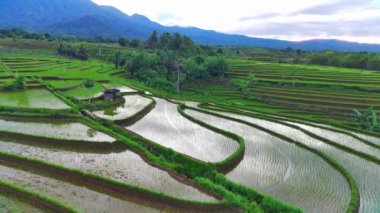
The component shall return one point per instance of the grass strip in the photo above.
(39, 200)
(355, 197)
(103, 184)
(233, 160)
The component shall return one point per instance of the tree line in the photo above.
(73, 51)
(19, 83)
(362, 60)
(169, 54)
(19, 33)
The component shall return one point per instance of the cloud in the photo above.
(260, 16)
(167, 16)
(333, 8)
(285, 19)
(316, 29)
(351, 19)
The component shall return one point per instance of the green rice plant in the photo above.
(9, 203)
(74, 194)
(35, 98)
(38, 199)
(102, 183)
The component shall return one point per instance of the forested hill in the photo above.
(85, 18)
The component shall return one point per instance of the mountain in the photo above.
(85, 18)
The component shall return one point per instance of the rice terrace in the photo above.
(115, 113)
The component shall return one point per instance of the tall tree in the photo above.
(188, 47)
(136, 43)
(123, 42)
(152, 42)
(117, 59)
(167, 59)
(176, 42)
(164, 40)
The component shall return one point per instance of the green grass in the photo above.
(35, 98)
(84, 93)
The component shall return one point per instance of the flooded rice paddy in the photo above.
(166, 126)
(55, 129)
(34, 98)
(342, 139)
(284, 170)
(13, 205)
(133, 104)
(364, 172)
(126, 166)
(81, 198)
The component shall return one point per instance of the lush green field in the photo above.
(269, 137)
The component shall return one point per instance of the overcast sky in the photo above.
(353, 20)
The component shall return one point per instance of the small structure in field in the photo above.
(110, 94)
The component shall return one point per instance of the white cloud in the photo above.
(251, 17)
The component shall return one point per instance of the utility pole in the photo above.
(178, 65)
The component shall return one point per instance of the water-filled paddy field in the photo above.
(365, 173)
(85, 93)
(124, 166)
(79, 197)
(284, 170)
(35, 98)
(343, 139)
(271, 165)
(12, 204)
(54, 129)
(166, 126)
(132, 105)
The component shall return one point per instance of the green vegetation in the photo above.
(166, 56)
(350, 60)
(313, 104)
(14, 85)
(88, 83)
(68, 50)
(367, 120)
(34, 198)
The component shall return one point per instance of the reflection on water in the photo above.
(55, 129)
(35, 98)
(132, 105)
(22, 99)
(10, 204)
(125, 166)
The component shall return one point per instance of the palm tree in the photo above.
(251, 80)
(367, 120)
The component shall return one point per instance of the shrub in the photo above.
(88, 83)
(17, 84)
(216, 66)
(73, 51)
(147, 75)
(367, 120)
(161, 84)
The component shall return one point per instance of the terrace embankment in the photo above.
(279, 168)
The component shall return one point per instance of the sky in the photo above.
(351, 20)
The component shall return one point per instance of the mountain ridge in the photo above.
(85, 18)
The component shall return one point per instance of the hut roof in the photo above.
(111, 91)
